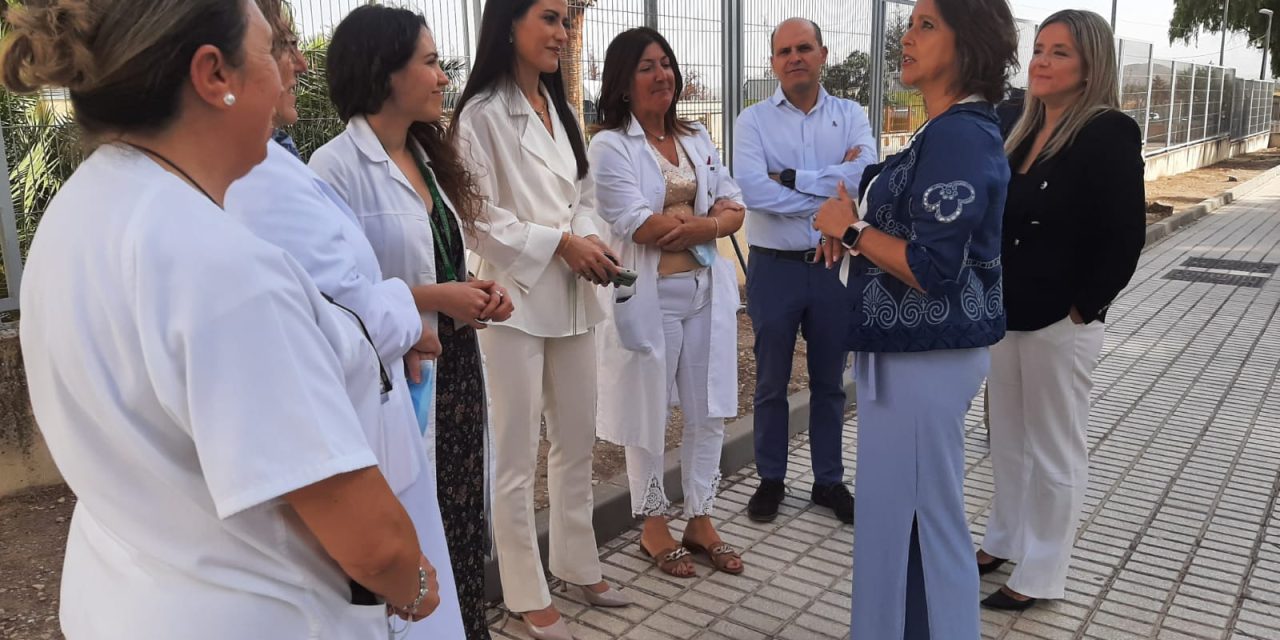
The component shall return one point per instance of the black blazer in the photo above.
(1074, 225)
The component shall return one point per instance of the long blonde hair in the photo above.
(1100, 93)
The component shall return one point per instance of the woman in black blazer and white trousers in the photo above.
(1074, 225)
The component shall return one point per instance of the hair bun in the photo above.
(47, 45)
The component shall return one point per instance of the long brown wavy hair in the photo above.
(370, 44)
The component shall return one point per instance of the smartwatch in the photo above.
(788, 178)
(851, 235)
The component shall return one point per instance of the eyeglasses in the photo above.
(286, 45)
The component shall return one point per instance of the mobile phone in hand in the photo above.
(625, 277)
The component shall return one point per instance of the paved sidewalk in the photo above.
(1181, 537)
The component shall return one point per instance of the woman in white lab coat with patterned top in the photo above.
(667, 199)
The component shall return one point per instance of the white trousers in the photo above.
(532, 378)
(1039, 392)
(685, 300)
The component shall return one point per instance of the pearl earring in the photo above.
(229, 99)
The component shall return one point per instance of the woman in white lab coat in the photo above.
(667, 198)
(195, 389)
(285, 203)
(414, 203)
(523, 143)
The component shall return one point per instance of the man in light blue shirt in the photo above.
(790, 152)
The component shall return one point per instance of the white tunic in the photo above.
(186, 375)
(632, 363)
(285, 203)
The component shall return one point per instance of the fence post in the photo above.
(1119, 46)
(1208, 91)
(1173, 103)
(1191, 103)
(474, 32)
(1222, 101)
(651, 14)
(9, 234)
(875, 96)
(732, 73)
(1151, 71)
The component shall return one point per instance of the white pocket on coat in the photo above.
(628, 320)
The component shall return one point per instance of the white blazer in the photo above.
(632, 365)
(391, 213)
(531, 180)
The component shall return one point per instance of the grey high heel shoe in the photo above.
(611, 597)
(557, 630)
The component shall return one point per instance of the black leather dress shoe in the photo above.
(835, 497)
(1005, 602)
(763, 506)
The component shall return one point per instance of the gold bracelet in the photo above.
(717, 221)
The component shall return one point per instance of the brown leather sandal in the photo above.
(719, 554)
(668, 559)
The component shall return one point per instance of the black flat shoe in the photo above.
(987, 567)
(1005, 602)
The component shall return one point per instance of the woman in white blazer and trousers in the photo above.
(677, 331)
(539, 239)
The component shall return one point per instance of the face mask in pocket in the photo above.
(423, 394)
(704, 253)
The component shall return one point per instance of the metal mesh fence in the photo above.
(1175, 103)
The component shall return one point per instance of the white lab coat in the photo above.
(532, 181)
(388, 209)
(187, 375)
(285, 203)
(632, 364)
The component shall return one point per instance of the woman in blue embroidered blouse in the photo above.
(924, 289)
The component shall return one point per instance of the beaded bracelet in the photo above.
(412, 609)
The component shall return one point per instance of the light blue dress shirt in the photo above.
(773, 135)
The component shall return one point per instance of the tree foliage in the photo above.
(851, 77)
(1191, 17)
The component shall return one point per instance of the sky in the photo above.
(693, 27)
(1148, 21)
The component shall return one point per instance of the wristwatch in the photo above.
(851, 235)
(787, 178)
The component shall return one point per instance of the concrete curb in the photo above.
(1163, 229)
(612, 497)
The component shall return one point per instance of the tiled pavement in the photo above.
(1181, 537)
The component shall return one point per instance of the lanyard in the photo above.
(382, 369)
(438, 209)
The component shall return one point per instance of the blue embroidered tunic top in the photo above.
(944, 194)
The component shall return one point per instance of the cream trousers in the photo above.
(1039, 391)
(532, 378)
